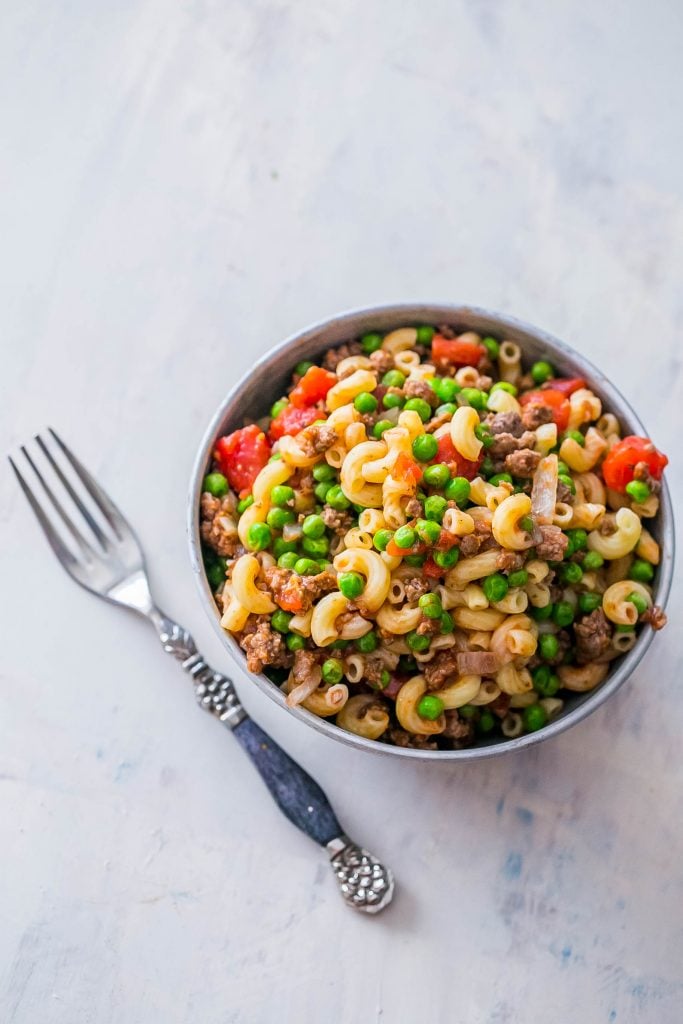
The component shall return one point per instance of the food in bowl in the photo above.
(430, 541)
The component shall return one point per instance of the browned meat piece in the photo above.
(401, 738)
(500, 706)
(456, 729)
(655, 616)
(477, 663)
(303, 483)
(428, 627)
(522, 463)
(480, 540)
(445, 331)
(415, 588)
(534, 416)
(438, 421)
(441, 668)
(470, 545)
(414, 508)
(262, 645)
(334, 356)
(373, 669)
(218, 524)
(506, 423)
(337, 521)
(382, 361)
(641, 472)
(483, 381)
(593, 634)
(510, 561)
(291, 591)
(420, 389)
(553, 545)
(564, 494)
(304, 664)
(316, 439)
(504, 443)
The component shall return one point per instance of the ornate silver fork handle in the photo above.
(110, 563)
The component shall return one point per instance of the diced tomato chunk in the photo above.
(446, 541)
(455, 351)
(432, 570)
(312, 387)
(290, 421)
(567, 385)
(556, 402)
(242, 455)
(406, 469)
(622, 459)
(457, 463)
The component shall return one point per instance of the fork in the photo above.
(100, 551)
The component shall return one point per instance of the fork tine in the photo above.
(102, 538)
(71, 527)
(54, 540)
(106, 506)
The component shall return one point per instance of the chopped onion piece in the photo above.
(544, 491)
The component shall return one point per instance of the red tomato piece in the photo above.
(446, 541)
(290, 421)
(312, 387)
(458, 465)
(432, 570)
(393, 549)
(406, 469)
(556, 402)
(621, 460)
(242, 455)
(459, 353)
(567, 385)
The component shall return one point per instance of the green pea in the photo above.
(216, 484)
(306, 567)
(425, 335)
(259, 536)
(371, 342)
(323, 473)
(576, 435)
(351, 584)
(288, 560)
(393, 401)
(548, 646)
(579, 539)
(428, 531)
(446, 623)
(332, 671)
(571, 572)
(277, 407)
(445, 388)
(526, 523)
(339, 645)
(474, 397)
(563, 613)
(466, 712)
(281, 495)
(216, 573)
(407, 665)
(565, 479)
(447, 409)
(486, 722)
(366, 644)
(589, 602)
(430, 606)
(562, 467)
(542, 614)
(534, 717)
(591, 561)
(316, 547)
(380, 427)
(639, 601)
(482, 432)
(495, 587)
(279, 517)
(503, 385)
(384, 680)
(499, 478)
(282, 547)
(393, 379)
(624, 629)
(447, 559)
(546, 682)
(520, 578)
(336, 498)
(541, 372)
(404, 537)
(435, 507)
(245, 503)
(313, 526)
(437, 476)
(303, 367)
(295, 642)
(458, 490)
(365, 402)
(422, 408)
(275, 457)
(425, 447)
(381, 539)
(417, 642)
(280, 620)
(491, 346)
(638, 490)
(487, 467)
(430, 707)
(641, 571)
(416, 561)
(322, 490)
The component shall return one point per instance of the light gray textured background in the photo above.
(183, 185)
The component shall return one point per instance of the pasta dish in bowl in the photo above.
(432, 531)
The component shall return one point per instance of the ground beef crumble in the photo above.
(334, 356)
(510, 561)
(224, 541)
(337, 521)
(593, 635)
(522, 463)
(505, 443)
(505, 423)
(456, 729)
(290, 590)
(553, 545)
(262, 645)
(420, 389)
(415, 587)
(401, 738)
(442, 667)
(316, 439)
(534, 416)
(382, 361)
(655, 617)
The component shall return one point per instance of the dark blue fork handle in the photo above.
(297, 795)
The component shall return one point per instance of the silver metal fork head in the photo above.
(89, 535)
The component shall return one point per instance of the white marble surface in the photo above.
(183, 185)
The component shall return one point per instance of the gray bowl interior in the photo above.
(252, 397)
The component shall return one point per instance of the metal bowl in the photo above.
(252, 396)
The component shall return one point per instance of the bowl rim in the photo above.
(429, 312)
